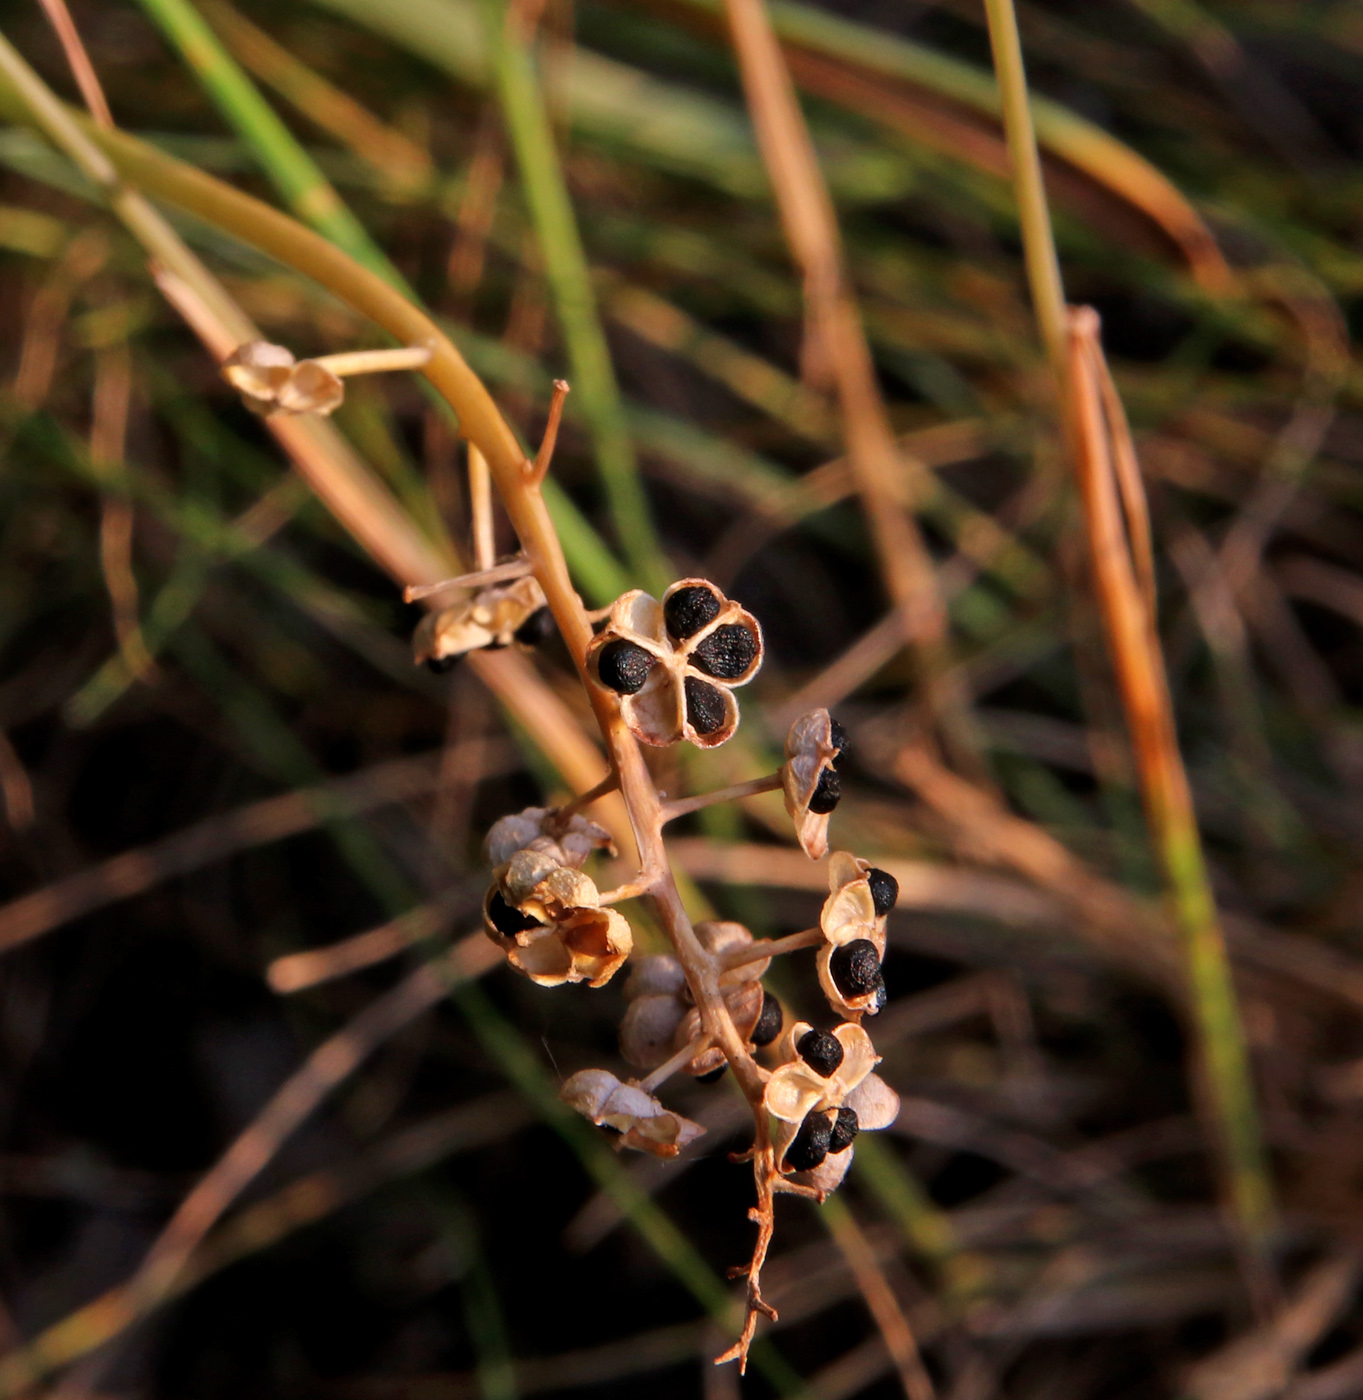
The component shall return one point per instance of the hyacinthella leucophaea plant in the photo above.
(660, 672)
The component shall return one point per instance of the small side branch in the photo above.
(480, 578)
(348, 362)
(686, 805)
(770, 948)
(668, 1068)
(539, 468)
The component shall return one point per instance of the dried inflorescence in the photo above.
(809, 777)
(270, 380)
(853, 925)
(820, 1097)
(674, 664)
(487, 618)
(642, 1122)
(547, 917)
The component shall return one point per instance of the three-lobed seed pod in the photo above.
(674, 664)
(810, 782)
(853, 924)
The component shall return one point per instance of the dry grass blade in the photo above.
(1133, 645)
(332, 1062)
(880, 1298)
(837, 348)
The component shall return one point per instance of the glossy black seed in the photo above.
(536, 628)
(880, 998)
(839, 737)
(704, 706)
(711, 1076)
(440, 664)
(845, 1128)
(624, 667)
(727, 652)
(810, 1145)
(827, 794)
(855, 966)
(769, 1023)
(506, 919)
(884, 889)
(689, 609)
(820, 1051)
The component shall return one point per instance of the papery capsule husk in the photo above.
(272, 381)
(809, 752)
(535, 828)
(649, 1027)
(744, 1000)
(658, 973)
(588, 945)
(641, 1120)
(720, 936)
(489, 617)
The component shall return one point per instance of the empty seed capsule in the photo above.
(726, 653)
(624, 667)
(705, 709)
(828, 793)
(689, 609)
(845, 1128)
(810, 1145)
(820, 1051)
(769, 1023)
(508, 920)
(855, 966)
(884, 889)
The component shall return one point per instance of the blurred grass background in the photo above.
(215, 752)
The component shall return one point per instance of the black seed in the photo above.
(768, 1025)
(711, 1076)
(704, 706)
(623, 667)
(820, 1051)
(880, 998)
(440, 664)
(507, 920)
(536, 628)
(689, 609)
(827, 794)
(845, 1128)
(609, 1128)
(838, 735)
(884, 889)
(495, 645)
(855, 967)
(810, 1145)
(727, 652)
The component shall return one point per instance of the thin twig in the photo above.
(734, 792)
(545, 455)
(498, 573)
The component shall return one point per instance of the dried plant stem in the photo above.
(682, 806)
(499, 573)
(1139, 665)
(375, 361)
(79, 61)
(843, 353)
(772, 948)
(668, 1068)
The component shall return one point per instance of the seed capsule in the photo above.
(624, 667)
(688, 610)
(855, 967)
(726, 653)
(839, 737)
(810, 1145)
(845, 1128)
(507, 920)
(536, 628)
(884, 889)
(704, 706)
(769, 1023)
(828, 793)
(820, 1051)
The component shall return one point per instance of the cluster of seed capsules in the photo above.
(673, 664)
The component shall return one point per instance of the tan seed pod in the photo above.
(649, 1028)
(656, 974)
(490, 617)
(270, 380)
(744, 1000)
(809, 779)
(721, 936)
(642, 1122)
(538, 828)
(674, 664)
(848, 963)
